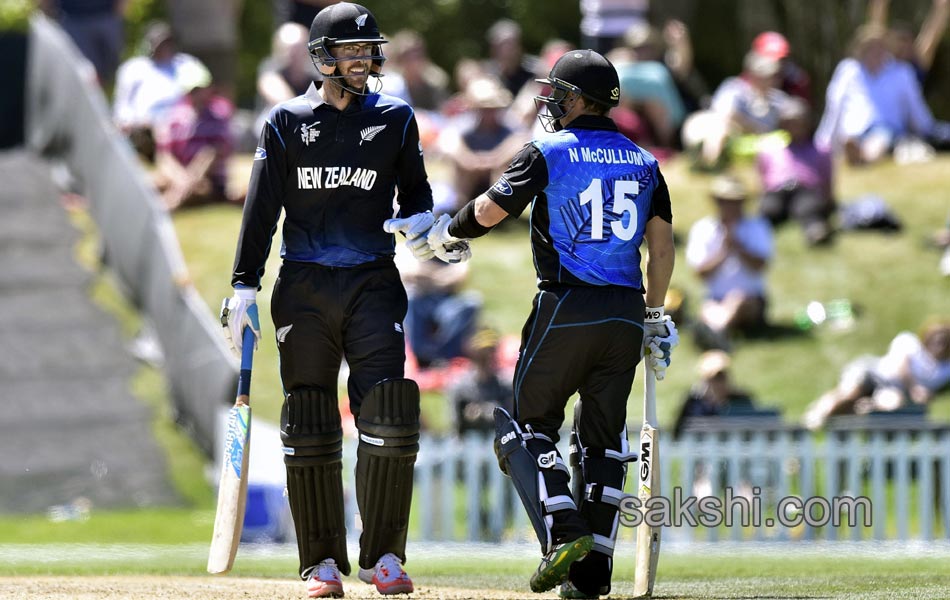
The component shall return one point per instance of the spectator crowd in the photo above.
(180, 115)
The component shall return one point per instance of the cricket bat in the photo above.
(648, 538)
(232, 489)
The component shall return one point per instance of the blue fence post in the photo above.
(831, 480)
(807, 454)
(472, 464)
(926, 442)
(945, 481)
(449, 455)
(902, 484)
(857, 455)
(424, 475)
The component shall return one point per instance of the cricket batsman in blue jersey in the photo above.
(595, 196)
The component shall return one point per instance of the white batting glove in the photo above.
(414, 228)
(234, 318)
(659, 339)
(447, 248)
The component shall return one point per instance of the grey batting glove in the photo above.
(414, 228)
(446, 247)
(659, 339)
(234, 318)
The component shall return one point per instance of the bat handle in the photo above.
(247, 354)
(649, 395)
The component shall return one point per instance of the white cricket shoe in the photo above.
(388, 576)
(324, 581)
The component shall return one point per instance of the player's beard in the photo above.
(356, 81)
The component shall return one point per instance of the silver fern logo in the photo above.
(369, 133)
(282, 333)
(361, 21)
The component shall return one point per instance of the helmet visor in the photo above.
(551, 107)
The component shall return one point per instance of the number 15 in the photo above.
(623, 203)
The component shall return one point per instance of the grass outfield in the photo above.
(178, 572)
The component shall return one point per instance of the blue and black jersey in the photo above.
(591, 192)
(334, 173)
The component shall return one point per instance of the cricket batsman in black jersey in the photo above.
(332, 160)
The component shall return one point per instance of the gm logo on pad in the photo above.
(546, 461)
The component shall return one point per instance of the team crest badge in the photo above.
(360, 21)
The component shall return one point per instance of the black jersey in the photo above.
(334, 173)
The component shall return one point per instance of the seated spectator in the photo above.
(730, 252)
(466, 70)
(919, 50)
(480, 149)
(647, 86)
(426, 83)
(912, 372)
(793, 79)
(440, 318)
(423, 84)
(507, 60)
(797, 178)
(692, 88)
(475, 394)
(193, 144)
(747, 104)
(148, 86)
(286, 73)
(874, 103)
(714, 393)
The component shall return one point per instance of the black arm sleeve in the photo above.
(525, 178)
(661, 205)
(262, 207)
(415, 193)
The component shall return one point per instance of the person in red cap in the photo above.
(795, 81)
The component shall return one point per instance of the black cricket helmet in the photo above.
(583, 72)
(339, 24)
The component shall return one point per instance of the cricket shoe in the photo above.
(568, 590)
(556, 565)
(324, 581)
(388, 576)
